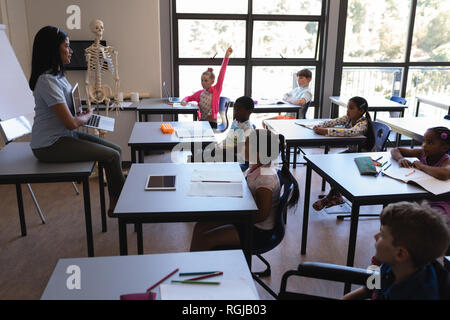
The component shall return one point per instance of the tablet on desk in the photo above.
(155, 183)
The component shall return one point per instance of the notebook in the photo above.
(166, 92)
(95, 121)
(424, 180)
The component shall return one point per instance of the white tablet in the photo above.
(155, 182)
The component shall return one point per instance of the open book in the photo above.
(424, 180)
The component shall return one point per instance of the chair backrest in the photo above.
(286, 187)
(224, 104)
(447, 117)
(304, 110)
(381, 133)
(398, 99)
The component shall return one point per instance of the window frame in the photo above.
(405, 65)
(318, 61)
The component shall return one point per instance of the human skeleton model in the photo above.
(99, 60)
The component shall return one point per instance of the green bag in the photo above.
(366, 166)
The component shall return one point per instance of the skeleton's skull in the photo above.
(97, 28)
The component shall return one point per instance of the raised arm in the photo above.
(223, 69)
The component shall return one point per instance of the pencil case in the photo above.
(167, 128)
(365, 166)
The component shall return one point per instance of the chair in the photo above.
(338, 273)
(224, 104)
(381, 133)
(401, 100)
(278, 231)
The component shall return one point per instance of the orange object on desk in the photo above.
(167, 128)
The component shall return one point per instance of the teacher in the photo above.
(54, 138)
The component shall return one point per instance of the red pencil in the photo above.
(215, 274)
(169, 275)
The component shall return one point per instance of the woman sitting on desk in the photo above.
(262, 180)
(54, 138)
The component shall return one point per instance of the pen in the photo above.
(215, 274)
(196, 273)
(156, 284)
(194, 282)
(384, 164)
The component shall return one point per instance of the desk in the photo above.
(106, 278)
(19, 166)
(414, 128)
(437, 102)
(148, 135)
(342, 173)
(160, 106)
(299, 136)
(136, 205)
(376, 104)
(277, 108)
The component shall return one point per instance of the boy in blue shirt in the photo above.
(411, 237)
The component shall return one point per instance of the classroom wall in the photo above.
(131, 27)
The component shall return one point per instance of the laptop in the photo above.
(95, 121)
(166, 92)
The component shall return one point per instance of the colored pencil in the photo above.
(410, 173)
(387, 167)
(215, 274)
(379, 158)
(198, 273)
(163, 279)
(384, 164)
(194, 282)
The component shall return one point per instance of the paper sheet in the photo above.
(215, 189)
(199, 175)
(231, 289)
(424, 180)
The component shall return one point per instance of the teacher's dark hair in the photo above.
(46, 55)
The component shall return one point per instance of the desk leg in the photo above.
(195, 116)
(123, 238)
(327, 149)
(288, 154)
(247, 242)
(141, 156)
(306, 208)
(352, 240)
(23, 227)
(87, 214)
(140, 238)
(294, 165)
(133, 155)
(101, 186)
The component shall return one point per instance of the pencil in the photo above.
(410, 173)
(195, 282)
(156, 284)
(384, 164)
(215, 274)
(198, 273)
(387, 167)
(379, 158)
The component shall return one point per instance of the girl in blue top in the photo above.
(54, 138)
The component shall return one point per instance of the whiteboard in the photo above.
(16, 97)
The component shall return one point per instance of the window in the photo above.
(271, 41)
(394, 48)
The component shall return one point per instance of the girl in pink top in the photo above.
(208, 97)
(432, 158)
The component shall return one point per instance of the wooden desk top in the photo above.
(17, 160)
(106, 278)
(149, 133)
(342, 169)
(135, 200)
